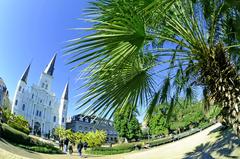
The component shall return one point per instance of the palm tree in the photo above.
(149, 52)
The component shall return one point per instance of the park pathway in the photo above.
(201, 145)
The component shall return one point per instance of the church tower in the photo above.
(63, 107)
(47, 76)
(19, 92)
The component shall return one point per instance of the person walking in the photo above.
(61, 144)
(70, 148)
(85, 145)
(79, 148)
(66, 142)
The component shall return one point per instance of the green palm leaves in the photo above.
(133, 43)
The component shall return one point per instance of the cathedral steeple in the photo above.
(50, 67)
(25, 74)
(65, 92)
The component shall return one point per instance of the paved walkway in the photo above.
(203, 145)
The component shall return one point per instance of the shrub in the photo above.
(19, 127)
(122, 148)
(14, 135)
(23, 140)
(42, 149)
(159, 141)
(17, 122)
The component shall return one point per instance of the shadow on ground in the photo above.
(227, 142)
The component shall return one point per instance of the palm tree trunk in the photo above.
(223, 85)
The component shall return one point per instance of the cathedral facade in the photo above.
(39, 104)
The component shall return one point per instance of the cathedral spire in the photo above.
(25, 74)
(65, 92)
(50, 67)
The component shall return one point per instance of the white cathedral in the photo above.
(39, 104)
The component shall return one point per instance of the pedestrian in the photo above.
(70, 148)
(79, 148)
(85, 145)
(61, 144)
(66, 142)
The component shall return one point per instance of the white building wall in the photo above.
(41, 105)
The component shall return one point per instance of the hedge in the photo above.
(19, 127)
(15, 136)
(21, 139)
(159, 141)
(123, 148)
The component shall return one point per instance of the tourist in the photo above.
(79, 148)
(66, 142)
(70, 148)
(61, 144)
(85, 145)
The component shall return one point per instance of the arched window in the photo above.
(32, 96)
(23, 107)
(50, 103)
(20, 88)
(16, 102)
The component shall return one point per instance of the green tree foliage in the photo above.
(127, 125)
(94, 139)
(150, 52)
(60, 133)
(183, 117)
(158, 123)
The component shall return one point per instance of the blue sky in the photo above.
(34, 31)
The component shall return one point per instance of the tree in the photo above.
(158, 123)
(132, 44)
(95, 139)
(127, 125)
(60, 132)
(183, 117)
